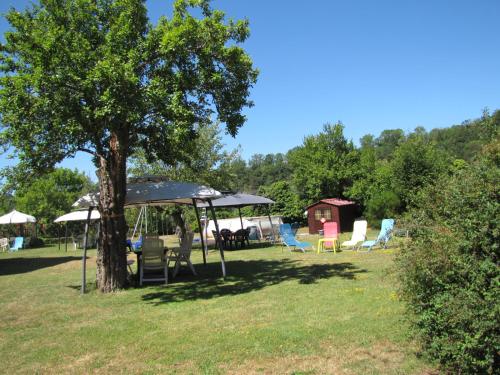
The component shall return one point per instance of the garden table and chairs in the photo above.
(153, 255)
(229, 238)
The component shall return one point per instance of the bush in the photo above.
(383, 204)
(449, 271)
(34, 242)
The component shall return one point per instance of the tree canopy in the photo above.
(96, 76)
(77, 72)
(52, 195)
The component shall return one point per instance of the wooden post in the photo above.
(84, 258)
(201, 232)
(221, 248)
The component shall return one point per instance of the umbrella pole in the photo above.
(201, 232)
(221, 249)
(66, 237)
(84, 258)
(59, 237)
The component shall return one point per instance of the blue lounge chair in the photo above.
(18, 244)
(289, 240)
(383, 237)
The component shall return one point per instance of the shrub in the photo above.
(34, 242)
(449, 271)
(383, 204)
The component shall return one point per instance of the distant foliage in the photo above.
(382, 204)
(51, 196)
(288, 204)
(465, 141)
(322, 164)
(450, 273)
(415, 164)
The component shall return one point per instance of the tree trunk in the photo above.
(111, 256)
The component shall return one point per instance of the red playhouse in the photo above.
(341, 211)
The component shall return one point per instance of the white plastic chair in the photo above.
(183, 254)
(358, 234)
(4, 244)
(153, 258)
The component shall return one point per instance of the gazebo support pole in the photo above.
(59, 237)
(241, 220)
(84, 258)
(201, 232)
(206, 229)
(271, 222)
(221, 248)
(66, 237)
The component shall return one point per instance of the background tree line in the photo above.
(384, 174)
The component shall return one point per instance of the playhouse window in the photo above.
(323, 213)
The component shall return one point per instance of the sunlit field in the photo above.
(276, 312)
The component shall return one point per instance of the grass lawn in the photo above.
(276, 312)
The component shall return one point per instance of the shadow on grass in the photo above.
(14, 266)
(246, 276)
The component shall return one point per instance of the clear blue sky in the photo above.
(373, 65)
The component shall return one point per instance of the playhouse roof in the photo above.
(333, 202)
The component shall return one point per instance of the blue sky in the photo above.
(373, 65)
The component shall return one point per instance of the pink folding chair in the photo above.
(330, 236)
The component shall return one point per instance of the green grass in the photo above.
(275, 312)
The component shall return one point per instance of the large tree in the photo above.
(321, 165)
(96, 76)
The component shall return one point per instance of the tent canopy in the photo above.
(78, 216)
(16, 217)
(152, 193)
(238, 200)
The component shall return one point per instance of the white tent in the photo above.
(16, 217)
(233, 224)
(77, 216)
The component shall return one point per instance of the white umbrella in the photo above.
(77, 216)
(16, 217)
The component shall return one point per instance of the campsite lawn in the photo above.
(276, 312)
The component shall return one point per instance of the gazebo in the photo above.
(154, 191)
(238, 201)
